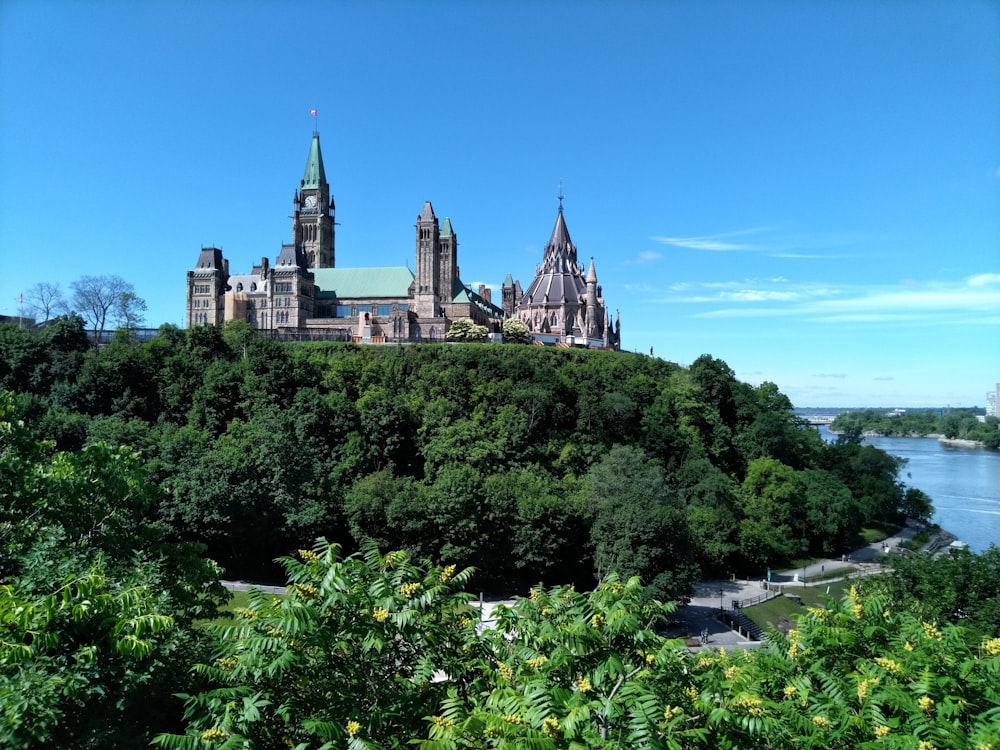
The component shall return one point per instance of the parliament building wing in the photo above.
(303, 295)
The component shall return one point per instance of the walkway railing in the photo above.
(772, 594)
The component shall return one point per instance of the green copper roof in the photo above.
(362, 283)
(446, 230)
(315, 176)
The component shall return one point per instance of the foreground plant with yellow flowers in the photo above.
(374, 652)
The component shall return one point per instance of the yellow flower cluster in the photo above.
(650, 658)
(818, 612)
(246, 614)
(308, 556)
(992, 646)
(305, 590)
(691, 693)
(381, 614)
(443, 721)
(535, 595)
(751, 704)
(821, 721)
(925, 702)
(907, 646)
(731, 672)
(447, 574)
(858, 610)
(672, 711)
(353, 728)
(227, 663)
(881, 730)
(408, 589)
(890, 665)
(507, 672)
(790, 690)
(551, 726)
(583, 685)
(213, 735)
(546, 612)
(464, 622)
(793, 638)
(863, 688)
(925, 746)
(931, 632)
(537, 661)
(597, 621)
(513, 719)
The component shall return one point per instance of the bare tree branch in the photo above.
(95, 298)
(45, 301)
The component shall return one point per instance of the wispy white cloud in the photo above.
(773, 242)
(646, 256)
(721, 242)
(985, 279)
(972, 301)
(836, 375)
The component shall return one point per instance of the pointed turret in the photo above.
(592, 273)
(315, 175)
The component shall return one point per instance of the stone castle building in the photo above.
(303, 295)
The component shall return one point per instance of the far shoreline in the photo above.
(955, 442)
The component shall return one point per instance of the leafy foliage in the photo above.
(359, 652)
(258, 445)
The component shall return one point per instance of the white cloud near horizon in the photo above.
(971, 301)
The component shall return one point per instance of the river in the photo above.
(963, 483)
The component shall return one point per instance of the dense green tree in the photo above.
(960, 587)
(639, 525)
(769, 504)
(96, 603)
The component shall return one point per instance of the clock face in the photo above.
(310, 201)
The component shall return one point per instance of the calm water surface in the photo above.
(964, 484)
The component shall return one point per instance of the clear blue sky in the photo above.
(809, 191)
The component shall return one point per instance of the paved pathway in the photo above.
(701, 613)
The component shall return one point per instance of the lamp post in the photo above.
(721, 594)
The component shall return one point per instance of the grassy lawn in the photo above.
(770, 613)
(239, 600)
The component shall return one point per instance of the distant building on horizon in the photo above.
(992, 397)
(304, 295)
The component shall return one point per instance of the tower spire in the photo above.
(560, 196)
(315, 175)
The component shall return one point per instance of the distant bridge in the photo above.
(820, 420)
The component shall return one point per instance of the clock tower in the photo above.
(313, 224)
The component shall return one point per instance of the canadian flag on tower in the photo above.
(313, 112)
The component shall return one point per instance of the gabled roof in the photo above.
(446, 230)
(427, 212)
(362, 283)
(462, 293)
(315, 175)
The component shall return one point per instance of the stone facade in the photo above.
(303, 295)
